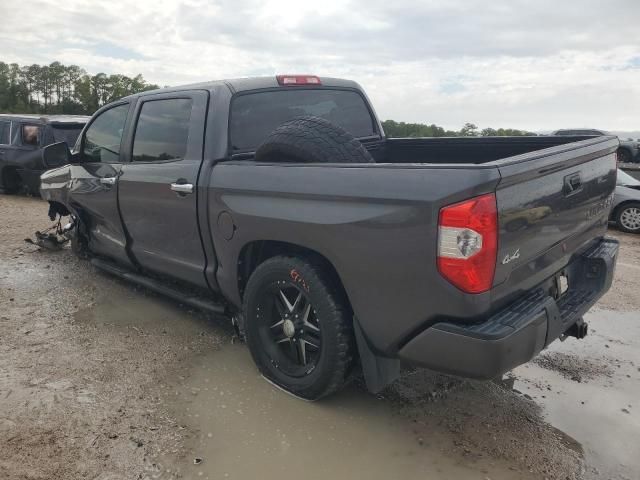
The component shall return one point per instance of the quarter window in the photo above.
(162, 131)
(104, 135)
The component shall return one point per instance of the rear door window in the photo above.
(162, 131)
(254, 116)
(5, 132)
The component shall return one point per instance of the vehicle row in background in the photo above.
(627, 152)
(21, 139)
(626, 203)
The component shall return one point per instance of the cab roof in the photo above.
(52, 119)
(247, 84)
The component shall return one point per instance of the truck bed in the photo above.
(476, 150)
(377, 224)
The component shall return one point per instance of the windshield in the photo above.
(626, 179)
(256, 115)
(67, 133)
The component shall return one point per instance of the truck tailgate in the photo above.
(552, 204)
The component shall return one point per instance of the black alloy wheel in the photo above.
(298, 326)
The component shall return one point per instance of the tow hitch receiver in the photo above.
(578, 329)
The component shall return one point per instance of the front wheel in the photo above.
(79, 243)
(628, 217)
(298, 327)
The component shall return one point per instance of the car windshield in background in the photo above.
(256, 115)
(67, 133)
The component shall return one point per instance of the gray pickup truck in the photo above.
(279, 203)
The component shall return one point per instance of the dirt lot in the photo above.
(99, 380)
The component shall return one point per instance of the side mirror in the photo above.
(56, 155)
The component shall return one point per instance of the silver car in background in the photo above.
(626, 203)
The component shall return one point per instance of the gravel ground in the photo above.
(78, 400)
(102, 380)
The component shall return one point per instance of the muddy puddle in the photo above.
(572, 415)
(248, 428)
(590, 389)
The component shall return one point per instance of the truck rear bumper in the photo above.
(515, 335)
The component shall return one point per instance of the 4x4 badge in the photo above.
(509, 258)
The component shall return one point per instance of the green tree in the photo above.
(59, 88)
(469, 130)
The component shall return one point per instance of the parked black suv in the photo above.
(22, 137)
(628, 151)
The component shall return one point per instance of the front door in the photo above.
(94, 185)
(157, 185)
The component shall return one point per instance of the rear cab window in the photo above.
(255, 115)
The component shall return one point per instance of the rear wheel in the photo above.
(628, 217)
(298, 327)
(623, 155)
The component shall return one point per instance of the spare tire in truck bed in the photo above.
(312, 140)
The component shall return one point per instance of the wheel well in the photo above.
(621, 205)
(255, 253)
(57, 208)
(624, 147)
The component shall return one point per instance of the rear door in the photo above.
(158, 183)
(95, 181)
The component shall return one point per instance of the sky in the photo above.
(529, 64)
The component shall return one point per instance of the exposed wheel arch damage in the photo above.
(57, 208)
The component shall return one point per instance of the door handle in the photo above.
(108, 180)
(182, 187)
(572, 184)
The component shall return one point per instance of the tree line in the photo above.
(69, 89)
(402, 129)
(58, 88)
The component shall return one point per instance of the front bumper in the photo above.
(515, 335)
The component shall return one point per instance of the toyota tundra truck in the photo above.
(279, 203)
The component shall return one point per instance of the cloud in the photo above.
(517, 63)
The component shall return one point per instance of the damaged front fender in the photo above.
(54, 188)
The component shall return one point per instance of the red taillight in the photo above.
(298, 80)
(468, 243)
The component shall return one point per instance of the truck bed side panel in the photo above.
(377, 225)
